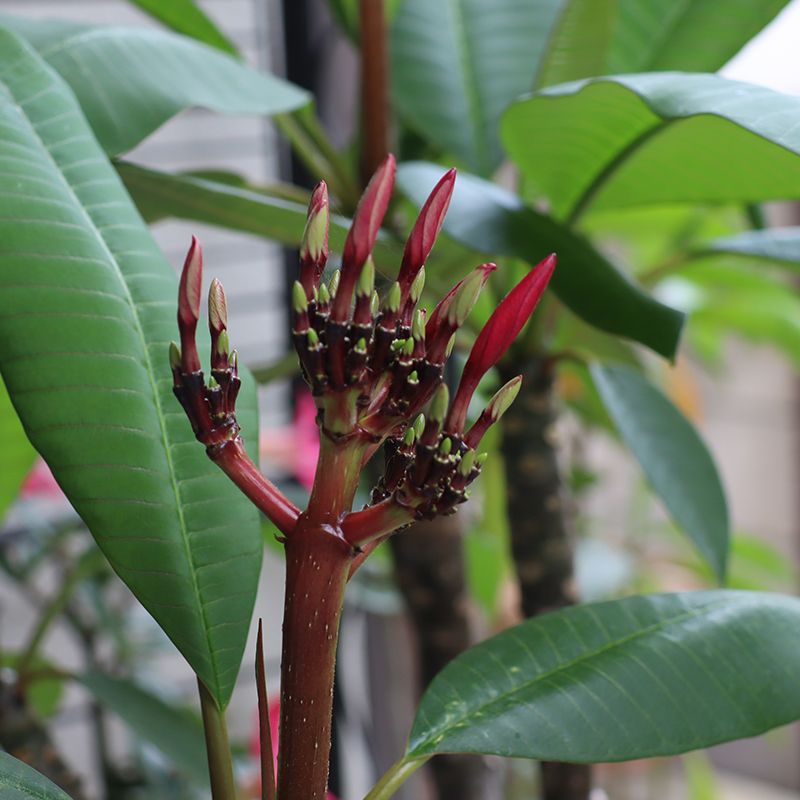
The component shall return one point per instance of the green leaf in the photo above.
(456, 65)
(184, 16)
(87, 305)
(700, 36)
(18, 455)
(656, 138)
(18, 781)
(161, 195)
(495, 221)
(130, 81)
(174, 731)
(673, 457)
(776, 245)
(635, 678)
(577, 47)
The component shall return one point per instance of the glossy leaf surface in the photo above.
(778, 245)
(87, 310)
(18, 781)
(634, 678)
(656, 138)
(18, 454)
(185, 16)
(456, 65)
(177, 734)
(672, 455)
(495, 221)
(684, 34)
(142, 77)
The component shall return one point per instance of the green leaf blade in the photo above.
(185, 16)
(18, 454)
(140, 78)
(18, 781)
(494, 221)
(86, 312)
(655, 138)
(672, 455)
(634, 678)
(457, 64)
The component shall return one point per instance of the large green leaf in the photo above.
(697, 35)
(18, 781)
(633, 678)
(656, 138)
(457, 64)
(18, 455)
(172, 730)
(86, 314)
(161, 194)
(184, 16)
(672, 455)
(495, 221)
(777, 245)
(129, 81)
(578, 44)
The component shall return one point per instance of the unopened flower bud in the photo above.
(374, 305)
(174, 356)
(481, 459)
(466, 297)
(418, 325)
(419, 425)
(410, 436)
(334, 282)
(223, 345)
(441, 399)
(313, 339)
(299, 299)
(503, 398)
(366, 281)
(450, 345)
(466, 463)
(417, 286)
(323, 296)
(413, 377)
(446, 446)
(408, 346)
(361, 346)
(217, 307)
(314, 247)
(392, 301)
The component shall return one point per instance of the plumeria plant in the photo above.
(375, 367)
(610, 132)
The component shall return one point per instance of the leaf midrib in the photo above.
(57, 84)
(526, 684)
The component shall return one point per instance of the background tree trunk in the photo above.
(540, 538)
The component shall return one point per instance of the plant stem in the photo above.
(220, 767)
(265, 733)
(317, 565)
(374, 87)
(394, 778)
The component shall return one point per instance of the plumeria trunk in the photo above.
(431, 574)
(375, 367)
(540, 538)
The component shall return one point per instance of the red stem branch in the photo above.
(374, 87)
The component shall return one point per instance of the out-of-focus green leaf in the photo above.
(87, 310)
(456, 65)
(186, 17)
(775, 245)
(172, 730)
(655, 138)
(130, 81)
(495, 221)
(579, 42)
(18, 781)
(673, 456)
(690, 35)
(43, 694)
(346, 13)
(700, 779)
(635, 678)
(17, 453)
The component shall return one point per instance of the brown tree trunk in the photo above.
(540, 537)
(429, 563)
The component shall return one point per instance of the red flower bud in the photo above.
(363, 233)
(497, 335)
(426, 229)
(189, 293)
(314, 248)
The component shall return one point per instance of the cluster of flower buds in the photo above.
(374, 364)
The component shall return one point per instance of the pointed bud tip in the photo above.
(174, 355)
(467, 462)
(439, 404)
(417, 285)
(468, 293)
(217, 307)
(299, 299)
(419, 424)
(314, 246)
(191, 283)
(418, 325)
(223, 344)
(366, 281)
(410, 436)
(503, 398)
(392, 302)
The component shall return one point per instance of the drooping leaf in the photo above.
(172, 730)
(495, 221)
(160, 195)
(655, 138)
(186, 17)
(634, 678)
(456, 65)
(672, 455)
(776, 245)
(18, 781)
(18, 454)
(130, 81)
(578, 44)
(700, 36)
(87, 307)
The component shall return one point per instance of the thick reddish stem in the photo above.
(318, 563)
(374, 86)
(234, 461)
(375, 522)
